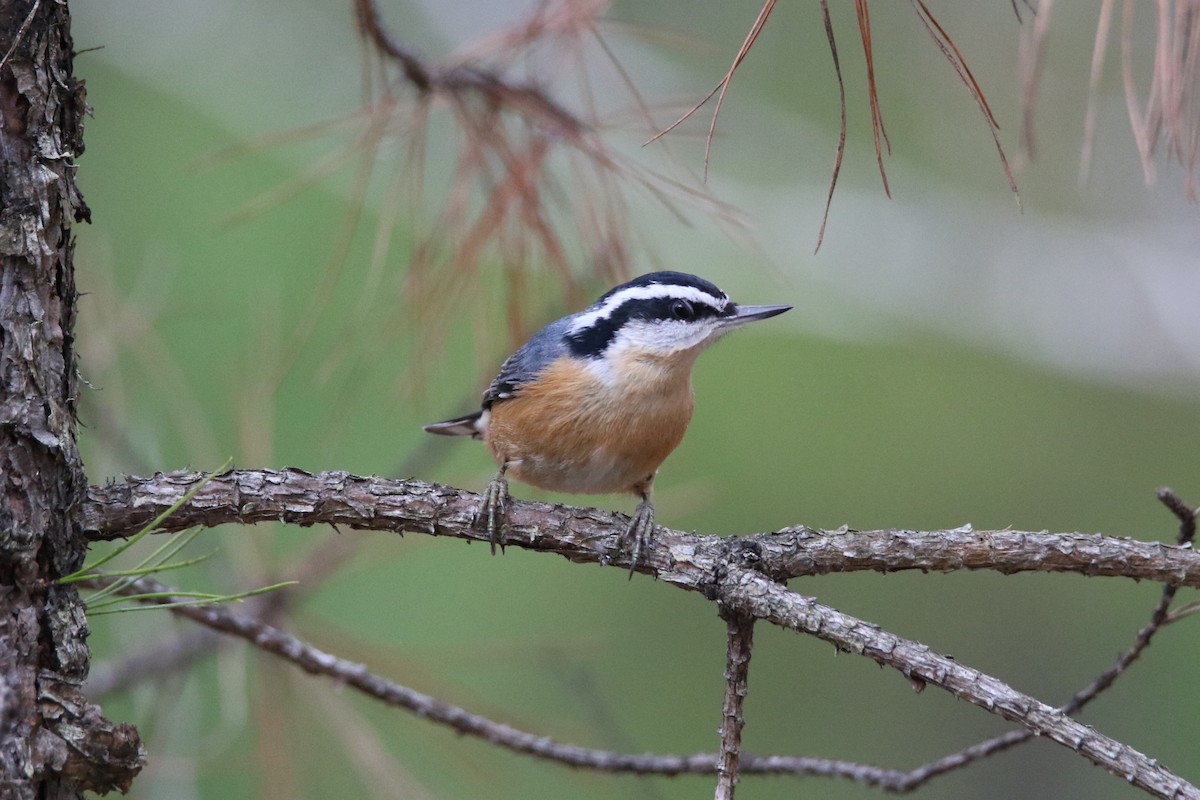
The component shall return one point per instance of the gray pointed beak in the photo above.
(751, 313)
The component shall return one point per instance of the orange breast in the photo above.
(571, 431)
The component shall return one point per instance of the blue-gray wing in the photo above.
(527, 363)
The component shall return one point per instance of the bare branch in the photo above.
(119, 509)
(696, 563)
(348, 673)
(749, 592)
(740, 632)
(318, 662)
(1183, 512)
(371, 26)
(1158, 618)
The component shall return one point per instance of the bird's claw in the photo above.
(638, 535)
(492, 516)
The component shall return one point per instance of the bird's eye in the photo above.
(682, 309)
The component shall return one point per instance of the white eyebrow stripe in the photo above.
(654, 291)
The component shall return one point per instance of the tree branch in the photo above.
(740, 632)
(344, 672)
(118, 509)
(740, 573)
(1158, 618)
(54, 744)
(751, 593)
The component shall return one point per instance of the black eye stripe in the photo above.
(664, 297)
(594, 339)
(664, 308)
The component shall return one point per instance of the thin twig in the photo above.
(1158, 618)
(745, 590)
(1185, 514)
(372, 27)
(739, 643)
(357, 676)
(743, 51)
(347, 673)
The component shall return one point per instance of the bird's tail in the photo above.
(470, 425)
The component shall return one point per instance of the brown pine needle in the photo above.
(722, 86)
(878, 131)
(959, 63)
(1103, 25)
(1139, 123)
(841, 148)
(955, 57)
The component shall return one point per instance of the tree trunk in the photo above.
(53, 743)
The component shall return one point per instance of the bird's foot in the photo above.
(492, 516)
(638, 535)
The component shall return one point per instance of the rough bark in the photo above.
(740, 642)
(244, 497)
(53, 743)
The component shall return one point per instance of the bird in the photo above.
(595, 401)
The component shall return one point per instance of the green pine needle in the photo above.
(82, 573)
(198, 599)
(109, 598)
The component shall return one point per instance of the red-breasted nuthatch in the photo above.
(597, 400)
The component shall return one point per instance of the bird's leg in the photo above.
(493, 513)
(641, 528)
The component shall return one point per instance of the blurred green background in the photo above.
(952, 359)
